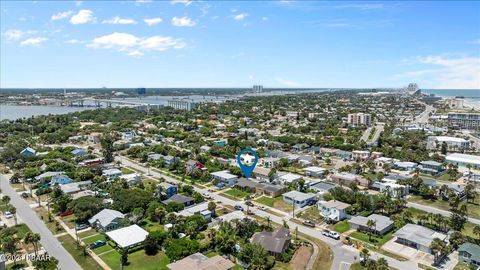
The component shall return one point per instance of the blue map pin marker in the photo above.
(247, 165)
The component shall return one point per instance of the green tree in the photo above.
(107, 147)
(365, 255)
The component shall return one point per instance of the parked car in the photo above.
(309, 223)
(238, 207)
(206, 195)
(8, 215)
(331, 234)
(249, 203)
(83, 226)
(261, 207)
(97, 244)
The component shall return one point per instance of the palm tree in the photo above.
(371, 225)
(9, 245)
(438, 247)
(382, 264)
(365, 255)
(35, 238)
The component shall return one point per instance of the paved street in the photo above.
(48, 241)
(438, 211)
(423, 117)
(342, 255)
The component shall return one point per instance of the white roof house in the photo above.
(463, 159)
(105, 217)
(289, 178)
(235, 215)
(223, 175)
(128, 236)
(299, 196)
(314, 169)
(75, 186)
(198, 209)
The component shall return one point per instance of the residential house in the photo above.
(179, 198)
(345, 155)
(452, 143)
(299, 147)
(288, 178)
(382, 225)
(269, 162)
(393, 189)
(28, 152)
(333, 210)
(381, 161)
(129, 135)
(225, 177)
(405, 166)
(170, 160)
(431, 167)
(91, 162)
(305, 161)
(107, 220)
(299, 199)
(198, 261)
(344, 178)
(322, 187)
(314, 171)
(275, 242)
(261, 173)
(79, 152)
(198, 209)
(132, 178)
(168, 189)
(193, 166)
(60, 179)
(94, 138)
(75, 187)
(418, 237)
(111, 173)
(463, 160)
(360, 155)
(47, 175)
(128, 237)
(256, 187)
(469, 253)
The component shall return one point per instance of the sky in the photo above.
(284, 44)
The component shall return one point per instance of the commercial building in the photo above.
(464, 120)
(463, 160)
(453, 103)
(359, 119)
(453, 143)
(257, 88)
(418, 237)
(182, 104)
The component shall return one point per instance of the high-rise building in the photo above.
(182, 104)
(141, 91)
(358, 119)
(464, 120)
(257, 88)
(454, 103)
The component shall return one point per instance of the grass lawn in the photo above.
(87, 233)
(51, 225)
(137, 260)
(473, 208)
(342, 226)
(151, 226)
(374, 240)
(235, 193)
(222, 211)
(312, 214)
(276, 202)
(126, 170)
(69, 220)
(22, 229)
(86, 262)
(94, 238)
(446, 177)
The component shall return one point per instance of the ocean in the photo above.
(466, 93)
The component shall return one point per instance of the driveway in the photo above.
(48, 241)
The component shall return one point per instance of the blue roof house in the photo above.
(79, 152)
(60, 179)
(28, 152)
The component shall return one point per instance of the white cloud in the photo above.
(14, 34)
(264, 18)
(136, 46)
(152, 21)
(184, 2)
(183, 21)
(446, 72)
(135, 53)
(240, 17)
(287, 82)
(143, 1)
(73, 41)
(61, 15)
(118, 20)
(33, 41)
(83, 16)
